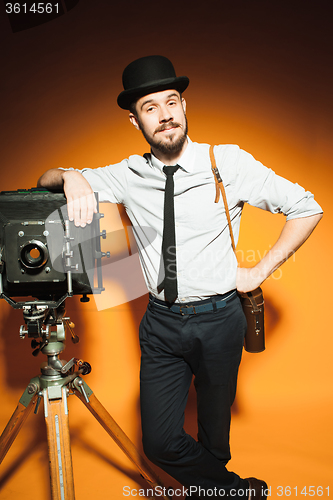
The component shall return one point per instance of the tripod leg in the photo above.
(18, 418)
(117, 434)
(60, 457)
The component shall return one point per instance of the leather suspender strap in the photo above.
(220, 188)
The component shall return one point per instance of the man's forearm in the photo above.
(52, 178)
(294, 233)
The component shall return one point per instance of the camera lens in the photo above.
(34, 254)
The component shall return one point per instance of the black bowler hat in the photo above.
(147, 75)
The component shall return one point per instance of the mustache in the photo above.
(165, 126)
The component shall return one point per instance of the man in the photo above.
(194, 324)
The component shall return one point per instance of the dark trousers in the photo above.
(173, 348)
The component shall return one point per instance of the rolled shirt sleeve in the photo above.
(253, 183)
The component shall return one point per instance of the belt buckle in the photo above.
(186, 307)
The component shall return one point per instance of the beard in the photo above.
(170, 144)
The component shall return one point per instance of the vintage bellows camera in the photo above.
(42, 253)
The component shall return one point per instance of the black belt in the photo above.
(217, 302)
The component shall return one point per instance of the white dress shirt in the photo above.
(206, 264)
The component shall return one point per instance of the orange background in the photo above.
(261, 77)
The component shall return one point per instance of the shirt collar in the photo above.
(186, 161)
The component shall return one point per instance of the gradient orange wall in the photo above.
(261, 77)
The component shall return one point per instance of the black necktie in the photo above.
(169, 238)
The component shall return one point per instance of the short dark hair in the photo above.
(132, 108)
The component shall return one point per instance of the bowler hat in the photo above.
(147, 75)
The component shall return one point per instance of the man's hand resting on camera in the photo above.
(81, 201)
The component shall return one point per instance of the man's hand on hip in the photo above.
(248, 279)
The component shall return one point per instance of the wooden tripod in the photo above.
(57, 380)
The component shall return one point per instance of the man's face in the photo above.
(161, 118)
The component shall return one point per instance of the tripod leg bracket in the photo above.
(81, 386)
(50, 394)
(30, 391)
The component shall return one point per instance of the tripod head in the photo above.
(49, 327)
